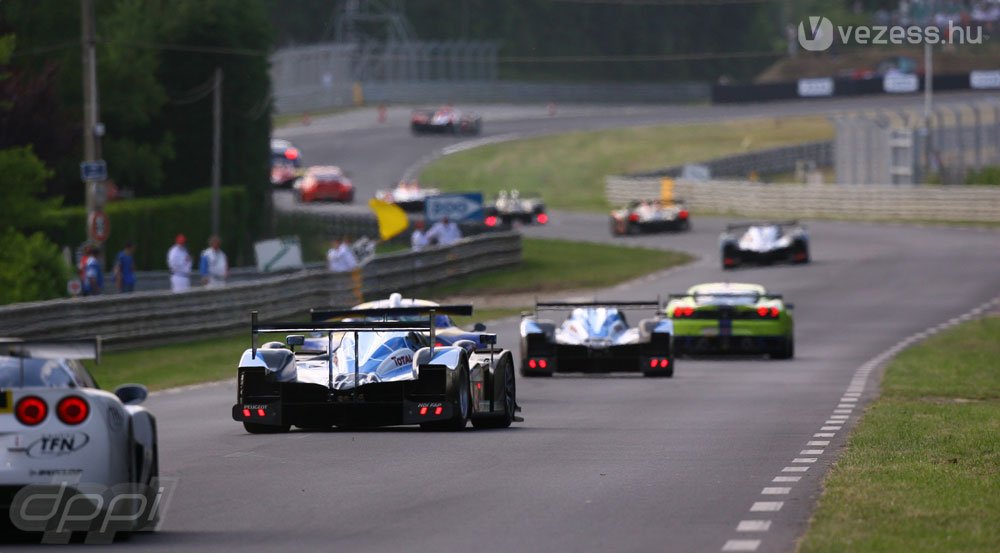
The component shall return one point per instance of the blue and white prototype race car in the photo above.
(376, 366)
(59, 429)
(764, 243)
(596, 338)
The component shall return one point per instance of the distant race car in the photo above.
(286, 163)
(596, 337)
(409, 196)
(732, 318)
(379, 366)
(650, 216)
(509, 208)
(324, 182)
(445, 120)
(57, 426)
(764, 243)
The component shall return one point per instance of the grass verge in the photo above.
(568, 170)
(548, 265)
(922, 471)
(555, 265)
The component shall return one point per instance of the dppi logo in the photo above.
(55, 445)
(402, 360)
(819, 34)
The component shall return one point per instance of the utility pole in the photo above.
(216, 149)
(928, 110)
(97, 224)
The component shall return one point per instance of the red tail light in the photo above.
(261, 412)
(491, 221)
(423, 411)
(633, 217)
(683, 311)
(774, 312)
(72, 410)
(291, 153)
(246, 413)
(652, 363)
(762, 311)
(543, 363)
(532, 364)
(31, 410)
(438, 410)
(683, 214)
(664, 363)
(542, 218)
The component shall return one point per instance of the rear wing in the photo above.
(325, 314)
(563, 305)
(52, 349)
(724, 294)
(735, 226)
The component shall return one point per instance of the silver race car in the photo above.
(58, 428)
(374, 367)
(596, 337)
(764, 243)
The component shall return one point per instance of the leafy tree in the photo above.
(31, 268)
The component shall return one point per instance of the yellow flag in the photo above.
(391, 218)
(667, 190)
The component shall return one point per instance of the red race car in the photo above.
(325, 183)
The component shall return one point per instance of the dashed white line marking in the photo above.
(834, 421)
(794, 469)
(766, 506)
(825, 428)
(840, 417)
(775, 491)
(753, 526)
(842, 411)
(804, 460)
(777, 479)
(824, 435)
(852, 394)
(818, 442)
(811, 452)
(741, 545)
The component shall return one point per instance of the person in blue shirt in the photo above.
(125, 268)
(92, 277)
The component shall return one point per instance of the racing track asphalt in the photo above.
(601, 463)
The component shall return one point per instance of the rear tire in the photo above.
(503, 377)
(255, 428)
(785, 349)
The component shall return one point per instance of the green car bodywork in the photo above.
(731, 318)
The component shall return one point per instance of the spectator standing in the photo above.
(125, 269)
(179, 263)
(213, 266)
(445, 232)
(340, 258)
(91, 276)
(418, 240)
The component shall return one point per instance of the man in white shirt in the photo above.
(340, 257)
(179, 263)
(445, 232)
(419, 240)
(214, 267)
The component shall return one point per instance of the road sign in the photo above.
(278, 254)
(456, 207)
(94, 170)
(99, 226)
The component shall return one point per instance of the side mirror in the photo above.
(132, 394)
(479, 327)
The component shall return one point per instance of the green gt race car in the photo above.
(732, 318)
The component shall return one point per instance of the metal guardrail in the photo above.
(872, 202)
(144, 317)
